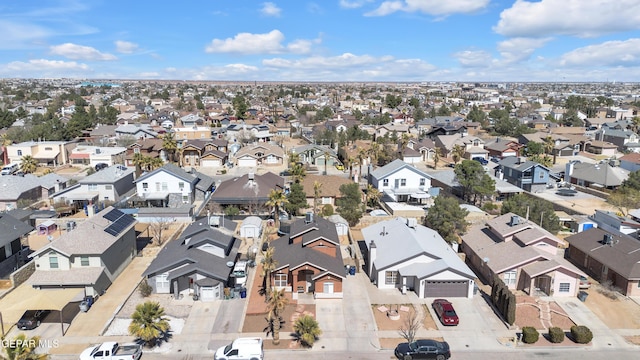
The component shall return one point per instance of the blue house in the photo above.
(525, 174)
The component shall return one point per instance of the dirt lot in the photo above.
(618, 313)
(384, 322)
(528, 314)
(257, 323)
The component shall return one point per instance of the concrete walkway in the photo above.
(97, 319)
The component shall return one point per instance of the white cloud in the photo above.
(44, 68)
(353, 4)
(582, 18)
(270, 9)
(519, 49)
(473, 58)
(610, 53)
(20, 35)
(79, 52)
(269, 43)
(430, 7)
(126, 47)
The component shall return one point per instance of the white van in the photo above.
(241, 349)
(10, 169)
(240, 273)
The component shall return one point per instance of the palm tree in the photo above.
(436, 157)
(317, 191)
(293, 158)
(298, 172)
(307, 330)
(275, 307)
(154, 163)
(326, 161)
(549, 144)
(170, 145)
(374, 153)
(139, 162)
(373, 195)
(148, 322)
(22, 348)
(362, 154)
(277, 199)
(269, 264)
(457, 153)
(29, 165)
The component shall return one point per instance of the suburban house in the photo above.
(616, 223)
(46, 153)
(195, 264)
(136, 131)
(249, 192)
(192, 133)
(93, 155)
(309, 259)
(625, 140)
(503, 148)
(12, 253)
(630, 162)
(401, 182)
(259, 154)
(410, 257)
(171, 186)
(244, 132)
(472, 146)
(521, 253)
(601, 175)
(525, 174)
(613, 258)
(210, 152)
(426, 147)
(89, 257)
(329, 190)
(20, 191)
(316, 155)
(152, 148)
(601, 147)
(107, 185)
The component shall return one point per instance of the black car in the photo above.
(100, 166)
(423, 349)
(31, 319)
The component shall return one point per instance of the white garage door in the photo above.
(250, 162)
(210, 292)
(211, 162)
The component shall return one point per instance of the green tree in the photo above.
(28, 164)
(625, 199)
(447, 218)
(148, 322)
(7, 118)
(633, 181)
(391, 101)
(170, 145)
(350, 203)
(539, 210)
(307, 330)
(544, 160)
(240, 106)
(277, 199)
(21, 348)
(457, 153)
(533, 148)
(269, 264)
(477, 115)
(297, 199)
(231, 211)
(298, 172)
(275, 307)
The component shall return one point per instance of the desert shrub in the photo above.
(145, 289)
(609, 290)
(530, 335)
(327, 210)
(556, 335)
(490, 207)
(581, 334)
(511, 309)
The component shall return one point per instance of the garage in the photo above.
(251, 227)
(211, 162)
(247, 161)
(209, 289)
(437, 289)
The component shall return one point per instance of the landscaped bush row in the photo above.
(504, 300)
(579, 334)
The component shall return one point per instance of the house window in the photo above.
(108, 187)
(541, 175)
(181, 185)
(326, 200)
(390, 277)
(136, 150)
(280, 280)
(53, 262)
(385, 182)
(19, 152)
(327, 288)
(510, 277)
(564, 287)
(93, 187)
(423, 181)
(403, 182)
(165, 187)
(48, 149)
(145, 186)
(84, 261)
(185, 199)
(158, 187)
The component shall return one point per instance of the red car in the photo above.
(446, 312)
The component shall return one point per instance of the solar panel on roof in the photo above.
(113, 215)
(119, 224)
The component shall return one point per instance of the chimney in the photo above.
(373, 252)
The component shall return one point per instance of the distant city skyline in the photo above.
(323, 41)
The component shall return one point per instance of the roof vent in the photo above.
(607, 239)
(412, 222)
(515, 220)
(251, 176)
(308, 218)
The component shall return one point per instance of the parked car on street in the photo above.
(423, 349)
(101, 166)
(445, 311)
(481, 160)
(31, 319)
(112, 351)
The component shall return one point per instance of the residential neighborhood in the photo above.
(240, 209)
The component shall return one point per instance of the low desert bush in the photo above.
(556, 335)
(581, 334)
(145, 289)
(530, 335)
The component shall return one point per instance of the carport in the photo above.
(25, 297)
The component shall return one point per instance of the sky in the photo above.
(323, 40)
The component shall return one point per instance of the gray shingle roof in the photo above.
(170, 169)
(12, 187)
(12, 229)
(394, 166)
(107, 175)
(623, 257)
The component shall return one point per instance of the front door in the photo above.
(309, 286)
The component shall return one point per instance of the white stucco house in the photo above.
(410, 257)
(400, 181)
(110, 184)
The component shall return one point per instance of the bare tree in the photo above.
(157, 227)
(410, 326)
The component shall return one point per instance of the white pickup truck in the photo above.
(112, 351)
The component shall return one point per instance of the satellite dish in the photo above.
(230, 264)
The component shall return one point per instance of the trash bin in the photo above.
(352, 270)
(582, 296)
(347, 269)
(243, 293)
